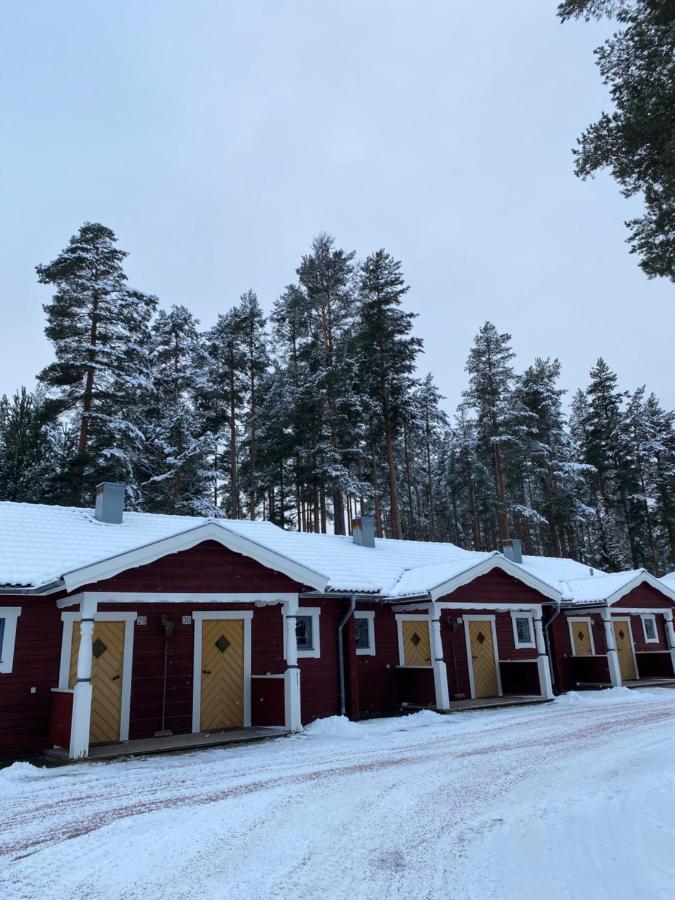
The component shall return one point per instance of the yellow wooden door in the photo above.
(416, 648)
(624, 648)
(222, 704)
(483, 661)
(581, 636)
(106, 678)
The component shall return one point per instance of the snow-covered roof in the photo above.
(43, 545)
(47, 545)
(669, 580)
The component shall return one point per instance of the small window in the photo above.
(364, 633)
(8, 619)
(304, 631)
(307, 632)
(523, 630)
(649, 627)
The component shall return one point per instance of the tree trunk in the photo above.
(87, 403)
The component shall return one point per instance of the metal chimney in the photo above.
(513, 550)
(363, 531)
(110, 502)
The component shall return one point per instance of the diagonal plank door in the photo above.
(483, 660)
(581, 635)
(624, 649)
(222, 702)
(416, 649)
(106, 678)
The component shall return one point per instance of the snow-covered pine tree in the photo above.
(491, 378)
(175, 474)
(606, 451)
(387, 352)
(23, 447)
(255, 362)
(220, 393)
(327, 309)
(556, 477)
(660, 429)
(94, 322)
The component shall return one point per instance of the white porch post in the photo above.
(612, 655)
(543, 664)
(670, 634)
(292, 675)
(82, 692)
(438, 662)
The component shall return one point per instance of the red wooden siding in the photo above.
(207, 568)
(25, 714)
(62, 712)
(267, 701)
(644, 596)
(378, 676)
(495, 587)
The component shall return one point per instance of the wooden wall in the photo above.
(25, 693)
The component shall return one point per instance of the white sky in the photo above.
(216, 138)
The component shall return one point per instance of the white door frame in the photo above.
(129, 618)
(198, 617)
(469, 654)
(627, 620)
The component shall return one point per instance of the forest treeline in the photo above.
(317, 414)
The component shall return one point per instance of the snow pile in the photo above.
(334, 727)
(607, 697)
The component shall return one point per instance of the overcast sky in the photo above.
(216, 138)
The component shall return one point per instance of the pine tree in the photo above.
(388, 352)
(96, 324)
(176, 475)
(23, 447)
(490, 385)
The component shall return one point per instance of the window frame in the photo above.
(10, 616)
(369, 616)
(313, 612)
(652, 618)
(518, 644)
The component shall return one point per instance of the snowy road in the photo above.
(571, 799)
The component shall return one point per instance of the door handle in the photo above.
(115, 677)
(206, 671)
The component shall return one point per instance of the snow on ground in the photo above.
(568, 799)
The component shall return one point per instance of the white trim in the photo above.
(11, 615)
(313, 612)
(533, 608)
(589, 620)
(495, 561)
(369, 616)
(518, 644)
(158, 597)
(643, 577)
(412, 617)
(209, 531)
(640, 610)
(652, 618)
(469, 654)
(129, 619)
(629, 624)
(198, 618)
